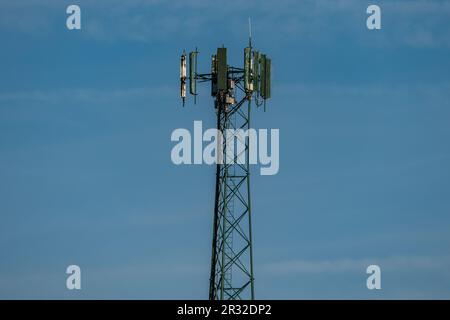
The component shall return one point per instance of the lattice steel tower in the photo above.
(233, 90)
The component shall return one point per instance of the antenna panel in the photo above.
(193, 72)
(248, 81)
(183, 76)
(213, 75)
(267, 84)
(222, 69)
(262, 72)
(256, 71)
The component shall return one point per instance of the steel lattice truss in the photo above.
(232, 265)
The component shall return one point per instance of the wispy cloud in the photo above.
(394, 263)
(378, 89)
(140, 280)
(395, 95)
(416, 23)
(435, 91)
(88, 95)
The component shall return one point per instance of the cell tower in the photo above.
(233, 90)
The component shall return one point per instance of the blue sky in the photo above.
(85, 170)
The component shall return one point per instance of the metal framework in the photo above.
(231, 275)
(232, 256)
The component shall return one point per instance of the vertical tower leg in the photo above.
(232, 262)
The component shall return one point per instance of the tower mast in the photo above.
(233, 89)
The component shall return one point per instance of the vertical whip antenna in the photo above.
(249, 32)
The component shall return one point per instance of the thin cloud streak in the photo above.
(105, 95)
(394, 263)
(89, 95)
(415, 23)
